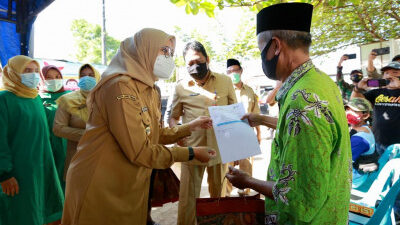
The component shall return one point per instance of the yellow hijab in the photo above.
(135, 58)
(12, 76)
(75, 102)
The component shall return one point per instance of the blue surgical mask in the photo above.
(87, 83)
(30, 80)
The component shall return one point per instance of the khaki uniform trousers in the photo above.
(191, 178)
(245, 165)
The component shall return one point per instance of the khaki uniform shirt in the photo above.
(191, 101)
(108, 178)
(249, 99)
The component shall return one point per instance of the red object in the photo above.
(211, 206)
(231, 210)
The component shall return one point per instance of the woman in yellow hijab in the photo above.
(72, 113)
(30, 191)
(108, 179)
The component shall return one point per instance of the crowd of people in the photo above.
(91, 156)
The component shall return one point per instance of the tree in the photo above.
(87, 39)
(336, 23)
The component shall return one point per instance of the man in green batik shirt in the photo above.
(309, 176)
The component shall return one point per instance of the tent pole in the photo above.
(103, 36)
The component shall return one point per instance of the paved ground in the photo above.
(167, 214)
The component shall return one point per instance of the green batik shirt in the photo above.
(311, 154)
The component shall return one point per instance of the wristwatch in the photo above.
(191, 153)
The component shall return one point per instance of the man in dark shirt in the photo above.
(386, 103)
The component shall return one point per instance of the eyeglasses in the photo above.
(233, 71)
(168, 52)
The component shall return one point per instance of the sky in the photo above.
(53, 38)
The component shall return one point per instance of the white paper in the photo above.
(236, 139)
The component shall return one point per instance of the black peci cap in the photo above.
(285, 16)
(232, 62)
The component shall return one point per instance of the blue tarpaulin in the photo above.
(16, 19)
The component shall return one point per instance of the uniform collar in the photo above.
(296, 75)
(242, 88)
(142, 86)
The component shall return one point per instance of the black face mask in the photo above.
(269, 66)
(356, 77)
(198, 71)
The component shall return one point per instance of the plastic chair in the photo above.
(392, 152)
(381, 188)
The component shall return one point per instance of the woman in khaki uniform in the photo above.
(108, 179)
(72, 113)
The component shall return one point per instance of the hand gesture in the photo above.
(342, 59)
(253, 118)
(238, 178)
(372, 55)
(201, 122)
(10, 186)
(394, 83)
(363, 84)
(204, 154)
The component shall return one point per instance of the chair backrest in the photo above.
(382, 188)
(391, 152)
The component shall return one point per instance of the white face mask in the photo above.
(54, 85)
(163, 67)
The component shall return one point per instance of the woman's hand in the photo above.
(201, 122)
(10, 186)
(204, 154)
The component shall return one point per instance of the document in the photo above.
(236, 139)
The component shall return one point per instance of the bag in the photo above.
(164, 187)
(231, 211)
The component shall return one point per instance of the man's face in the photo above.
(234, 69)
(194, 57)
(391, 73)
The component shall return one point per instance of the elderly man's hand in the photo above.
(253, 118)
(238, 178)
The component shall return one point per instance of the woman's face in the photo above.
(86, 72)
(53, 74)
(168, 49)
(32, 67)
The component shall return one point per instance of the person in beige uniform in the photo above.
(249, 99)
(72, 114)
(191, 99)
(108, 179)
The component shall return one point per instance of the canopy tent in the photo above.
(16, 19)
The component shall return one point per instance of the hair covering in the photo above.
(360, 105)
(135, 57)
(285, 16)
(232, 62)
(75, 102)
(392, 65)
(46, 69)
(12, 76)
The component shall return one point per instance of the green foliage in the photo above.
(244, 46)
(354, 22)
(87, 39)
(336, 23)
